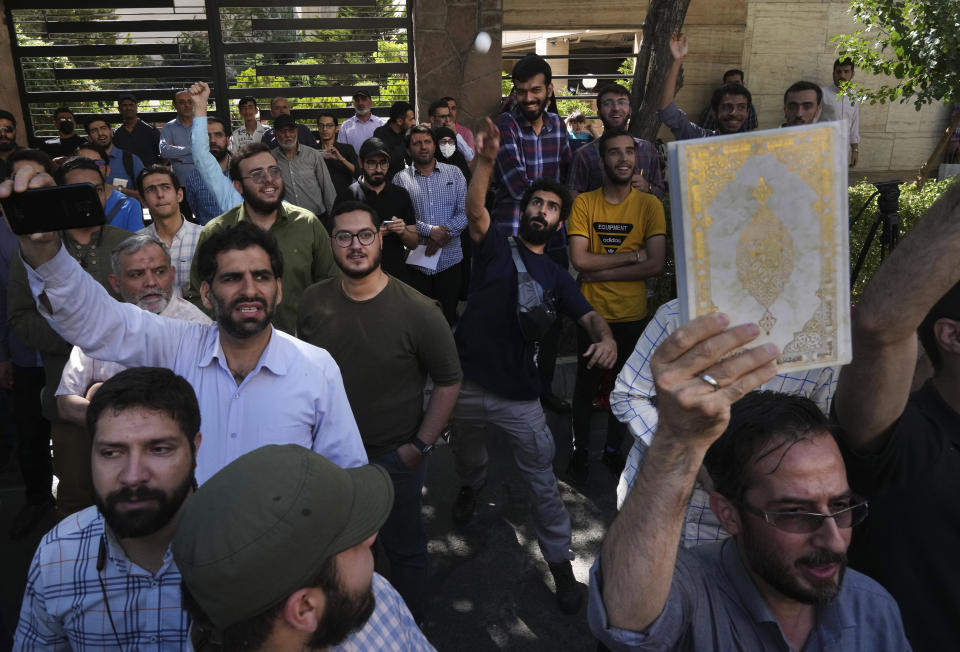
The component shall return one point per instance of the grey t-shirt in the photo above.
(714, 605)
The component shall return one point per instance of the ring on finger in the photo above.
(710, 380)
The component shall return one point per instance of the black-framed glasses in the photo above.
(345, 238)
(807, 522)
(7, 129)
(259, 176)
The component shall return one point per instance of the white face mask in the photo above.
(447, 150)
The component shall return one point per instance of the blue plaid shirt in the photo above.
(438, 200)
(630, 403)
(390, 628)
(63, 606)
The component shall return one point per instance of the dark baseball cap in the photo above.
(262, 527)
(127, 96)
(374, 145)
(283, 120)
(361, 93)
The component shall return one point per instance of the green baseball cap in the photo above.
(262, 527)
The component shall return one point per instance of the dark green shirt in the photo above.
(306, 257)
(385, 347)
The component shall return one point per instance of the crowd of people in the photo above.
(243, 392)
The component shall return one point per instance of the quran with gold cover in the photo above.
(760, 232)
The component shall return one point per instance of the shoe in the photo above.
(569, 596)
(578, 467)
(614, 461)
(28, 517)
(464, 507)
(554, 403)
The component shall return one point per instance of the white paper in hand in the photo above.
(420, 258)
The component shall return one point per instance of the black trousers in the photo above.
(443, 286)
(33, 433)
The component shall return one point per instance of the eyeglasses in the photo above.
(7, 129)
(377, 164)
(806, 522)
(345, 238)
(260, 176)
(326, 125)
(621, 104)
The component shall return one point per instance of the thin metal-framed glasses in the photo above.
(259, 176)
(621, 103)
(807, 522)
(345, 238)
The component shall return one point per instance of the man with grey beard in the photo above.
(305, 176)
(142, 275)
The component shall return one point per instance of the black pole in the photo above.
(218, 61)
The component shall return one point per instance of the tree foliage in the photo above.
(916, 42)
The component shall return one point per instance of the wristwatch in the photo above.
(425, 449)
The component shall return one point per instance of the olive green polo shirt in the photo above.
(307, 258)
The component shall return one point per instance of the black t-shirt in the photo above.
(339, 174)
(392, 201)
(492, 349)
(910, 542)
(56, 147)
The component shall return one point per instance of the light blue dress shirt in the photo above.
(175, 147)
(294, 395)
(216, 183)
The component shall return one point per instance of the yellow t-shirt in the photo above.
(616, 228)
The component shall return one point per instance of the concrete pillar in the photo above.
(556, 46)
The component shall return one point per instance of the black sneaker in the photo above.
(464, 507)
(569, 595)
(614, 461)
(579, 466)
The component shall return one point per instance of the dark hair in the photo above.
(152, 388)
(328, 114)
(734, 71)
(948, 307)
(550, 185)
(252, 633)
(30, 154)
(437, 104)
(6, 115)
(62, 109)
(399, 110)
(608, 135)
(248, 150)
(418, 129)
(246, 99)
(843, 62)
(236, 238)
(96, 147)
(90, 121)
(728, 89)
(530, 66)
(156, 168)
(762, 423)
(354, 205)
(224, 125)
(804, 86)
(611, 89)
(448, 99)
(77, 163)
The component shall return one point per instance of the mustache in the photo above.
(131, 493)
(236, 302)
(822, 558)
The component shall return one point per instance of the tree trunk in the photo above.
(664, 17)
(938, 152)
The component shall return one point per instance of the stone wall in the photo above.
(446, 61)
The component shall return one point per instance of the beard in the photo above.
(66, 127)
(344, 615)
(533, 114)
(373, 263)
(612, 176)
(7, 144)
(262, 205)
(244, 328)
(219, 153)
(150, 307)
(142, 522)
(763, 560)
(533, 234)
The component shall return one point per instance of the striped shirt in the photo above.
(182, 248)
(525, 156)
(630, 403)
(438, 200)
(63, 605)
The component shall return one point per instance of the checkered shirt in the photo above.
(182, 248)
(391, 628)
(630, 403)
(63, 606)
(523, 157)
(438, 200)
